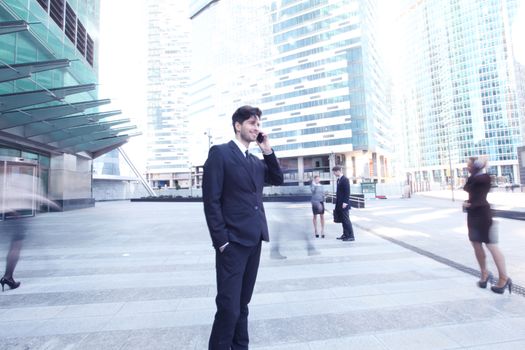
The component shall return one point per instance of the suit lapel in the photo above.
(241, 158)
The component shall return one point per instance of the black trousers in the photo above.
(236, 269)
(348, 231)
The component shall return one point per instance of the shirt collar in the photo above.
(242, 148)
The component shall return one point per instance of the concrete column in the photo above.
(300, 170)
(515, 173)
(70, 181)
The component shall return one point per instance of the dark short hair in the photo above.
(244, 113)
(337, 168)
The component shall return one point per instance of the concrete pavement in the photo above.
(141, 276)
(436, 226)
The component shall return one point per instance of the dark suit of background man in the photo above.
(232, 191)
(342, 203)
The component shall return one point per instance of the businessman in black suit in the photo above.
(342, 204)
(232, 191)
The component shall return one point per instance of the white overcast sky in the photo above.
(122, 67)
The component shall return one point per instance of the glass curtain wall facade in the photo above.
(229, 66)
(48, 83)
(327, 101)
(311, 66)
(168, 142)
(55, 31)
(462, 90)
(61, 30)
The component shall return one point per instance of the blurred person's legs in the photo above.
(308, 240)
(481, 258)
(315, 212)
(499, 261)
(321, 216)
(315, 225)
(348, 231)
(318, 209)
(276, 221)
(15, 228)
(13, 255)
(275, 245)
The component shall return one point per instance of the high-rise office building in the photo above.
(50, 124)
(461, 90)
(328, 92)
(311, 66)
(228, 67)
(168, 141)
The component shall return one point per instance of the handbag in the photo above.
(337, 216)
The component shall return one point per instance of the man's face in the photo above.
(249, 129)
(337, 173)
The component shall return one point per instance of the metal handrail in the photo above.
(332, 196)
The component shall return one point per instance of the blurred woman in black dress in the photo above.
(480, 226)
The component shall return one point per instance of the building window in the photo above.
(56, 12)
(65, 17)
(71, 23)
(90, 50)
(81, 38)
(43, 3)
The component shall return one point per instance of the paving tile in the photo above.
(52, 342)
(367, 342)
(71, 325)
(151, 285)
(417, 339)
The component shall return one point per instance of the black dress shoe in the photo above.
(348, 239)
(341, 237)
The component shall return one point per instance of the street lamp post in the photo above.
(450, 165)
(191, 179)
(332, 164)
(208, 133)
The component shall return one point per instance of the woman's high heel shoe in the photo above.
(501, 290)
(10, 282)
(483, 283)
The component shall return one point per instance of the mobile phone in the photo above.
(260, 137)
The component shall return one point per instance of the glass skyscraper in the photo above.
(229, 66)
(314, 70)
(49, 119)
(327, 99)
(168, 141)
(461, 90)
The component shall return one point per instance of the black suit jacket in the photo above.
(343, 193)
(233, 194)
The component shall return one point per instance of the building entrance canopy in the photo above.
(44, 120)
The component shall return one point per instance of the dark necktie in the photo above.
(250, 162)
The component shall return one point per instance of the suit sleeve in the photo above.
(274, 174)
(212, 188)
(346, 192)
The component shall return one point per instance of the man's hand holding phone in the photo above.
(264, 144)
